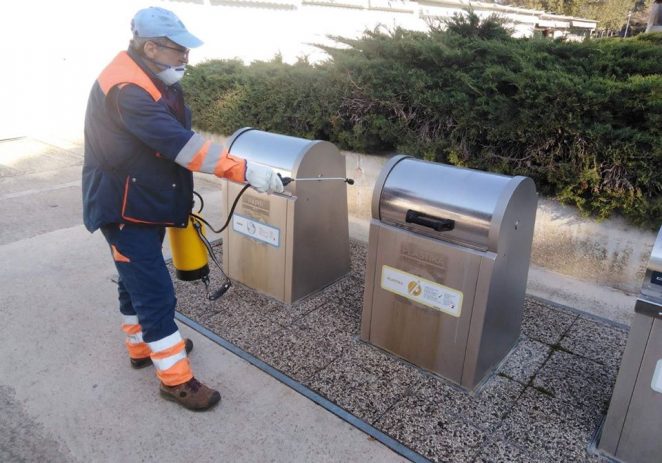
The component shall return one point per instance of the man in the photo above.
(140, 153)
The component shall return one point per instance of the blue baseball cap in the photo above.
(155, 22)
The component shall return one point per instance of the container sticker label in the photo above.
(656, 383)
(426, 292)
(257, 230)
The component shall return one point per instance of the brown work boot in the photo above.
(147, 361)
(192, 394)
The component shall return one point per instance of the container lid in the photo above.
(463, 206)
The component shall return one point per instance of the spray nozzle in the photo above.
(220, 291)
(285, 180)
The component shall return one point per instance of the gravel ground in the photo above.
(543, 404)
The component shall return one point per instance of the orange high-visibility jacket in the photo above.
(140, 151)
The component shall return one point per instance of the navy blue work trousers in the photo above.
(145, 286)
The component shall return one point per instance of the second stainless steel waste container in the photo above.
(448, 259)
(292, 244)
(632, 430)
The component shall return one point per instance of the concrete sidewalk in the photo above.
(67, 392)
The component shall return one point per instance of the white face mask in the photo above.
(172, 75)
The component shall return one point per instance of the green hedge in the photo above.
(584, 120)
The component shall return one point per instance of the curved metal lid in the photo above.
(426, 197)
(290, 157)
(281, 152)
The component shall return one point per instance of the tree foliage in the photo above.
(610, 14)
(584, 120)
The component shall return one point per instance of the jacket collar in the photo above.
(141, 62)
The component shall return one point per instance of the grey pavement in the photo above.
(67, 392)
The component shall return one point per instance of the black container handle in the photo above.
(436, 223)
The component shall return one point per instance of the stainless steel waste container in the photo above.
(448, 258)
(632, 431)
(287, 245)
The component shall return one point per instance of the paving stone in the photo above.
(299, 351)
(287, 315)
(438, 398)
(596, 340)
(428, 423)
(333, 322)
(438, 414)
(350, 299)
(548, 428)
(580, 382)
(486, 408)
(242, 297)
(192, 301)
(307, 304)
(499, 451)
(545, 323)
(200, 311)
(594, 458)
(434, 435)
(359, 256)
(525, 360)
(433, 400)
(365, 381)
(309, 344)
(454, 441)
(346, 293)
(243, 327)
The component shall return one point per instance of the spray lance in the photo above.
(288, 180)
(190, 246)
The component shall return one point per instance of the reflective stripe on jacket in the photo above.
(140, 151)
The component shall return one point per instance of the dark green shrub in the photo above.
(295, 99)
(584, 120)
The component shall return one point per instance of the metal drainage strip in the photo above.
(308, 393)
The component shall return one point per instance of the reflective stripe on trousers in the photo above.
(134, 338)
(169, 358)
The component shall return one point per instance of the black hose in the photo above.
(227, 222)
(202, 201)
(212, 296)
